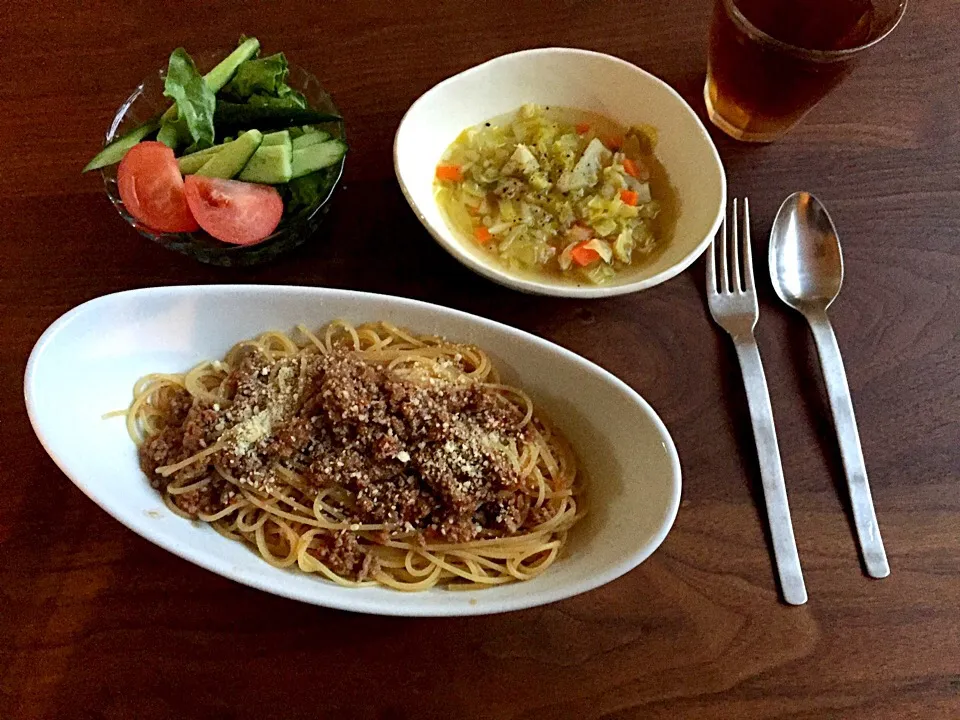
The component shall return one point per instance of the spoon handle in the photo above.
(841, 405)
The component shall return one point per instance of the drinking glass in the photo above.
(771, 61)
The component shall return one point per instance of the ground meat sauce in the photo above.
(415, 453)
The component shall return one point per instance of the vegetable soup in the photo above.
(558, 191)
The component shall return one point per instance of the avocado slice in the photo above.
(314, 137)
(232, 156)
(270, 165)
(316, 157)
(281, 137)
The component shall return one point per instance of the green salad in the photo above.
(239, 123)
(546, 194)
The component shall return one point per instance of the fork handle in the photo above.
(841, 405)
(771, 473)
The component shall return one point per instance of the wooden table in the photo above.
(98, 623)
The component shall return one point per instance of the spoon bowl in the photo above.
(806, 265)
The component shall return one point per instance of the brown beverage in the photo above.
(771, 61)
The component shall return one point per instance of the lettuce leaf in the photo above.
(291, 97)
(289, 100)
(263, 83)
(266, 76)
(304, 192)
(195, 102)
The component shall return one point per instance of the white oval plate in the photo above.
(85, 364)
(582, 79)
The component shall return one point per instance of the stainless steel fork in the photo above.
(734, 307)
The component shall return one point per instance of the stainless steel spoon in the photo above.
(806, 268)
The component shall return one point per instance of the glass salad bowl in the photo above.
(148, 101)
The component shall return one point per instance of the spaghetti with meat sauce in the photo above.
(370, 456)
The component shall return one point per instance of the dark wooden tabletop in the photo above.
(97, 623)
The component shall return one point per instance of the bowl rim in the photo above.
(557, 289)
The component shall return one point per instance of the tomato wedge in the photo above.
(235, 212)
(151, 188)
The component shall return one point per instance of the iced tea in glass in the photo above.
(771, 61)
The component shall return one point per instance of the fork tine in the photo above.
(735, 252)
(747, 248)
(724, 283)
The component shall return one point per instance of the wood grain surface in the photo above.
(98, 623)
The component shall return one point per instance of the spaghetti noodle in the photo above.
(368, 455)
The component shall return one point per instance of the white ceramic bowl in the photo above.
(563, 77)
(85, 364)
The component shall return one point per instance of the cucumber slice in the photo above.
(277, 138)
(114, 152)
(316, 157)
(229, 116)
(169, 135)
(225, 69)
(189, 164)
(314, 137)
(270, 165)
(232, 157)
